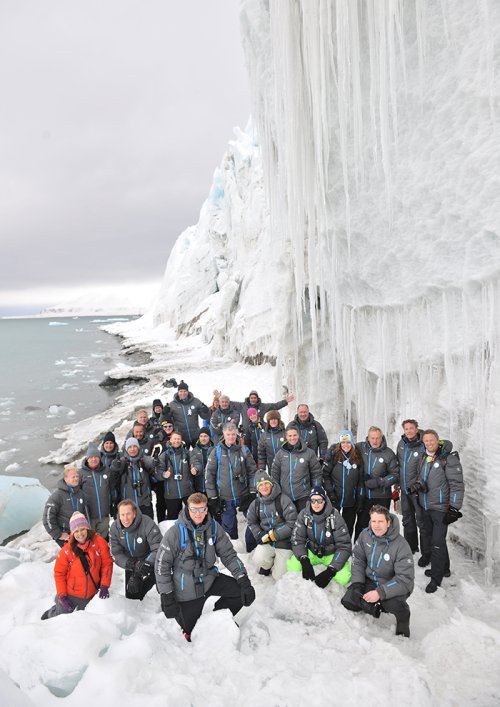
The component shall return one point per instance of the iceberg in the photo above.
(22, 500)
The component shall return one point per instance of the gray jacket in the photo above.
(186, 561)
(381, 469)
(323, 534)
(230, 472)
(266, 513)
(60, 506)
(141, 540)
(269, 443)
(387, 561)
(185, 414)
(199, 456)
(297, 470)
(96, 489)
(221, 417)
(311, 433)
(409, 455)
(180, 483)
(134, 478)
(261, 408)
(443, 479)
(343, 479)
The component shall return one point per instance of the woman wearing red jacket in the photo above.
(83, 567)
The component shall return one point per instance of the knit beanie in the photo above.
(252, 411)
(263, 478)
(109, 437)
(157, 403)
(78, 521)
(182, 386)
(318, 491)
(92, 451)
(131, 442)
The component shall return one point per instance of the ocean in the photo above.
(50, 370)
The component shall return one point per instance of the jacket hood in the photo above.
(276, 491)
(135, 524)
(413, 442)
(188, 400)
(247, 400)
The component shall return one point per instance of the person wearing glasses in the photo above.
(186, 567)
(321, 537)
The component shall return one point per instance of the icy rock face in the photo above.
(22, 500)
(360, 246)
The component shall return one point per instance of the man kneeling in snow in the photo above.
(382, 571)
(186, 572)
(134, 540)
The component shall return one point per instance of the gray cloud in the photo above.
(113, 117)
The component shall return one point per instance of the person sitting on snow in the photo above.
(271, 519)
(321, 537)
(62, 503)
(382, 571)
(186, 567)
(83, 568)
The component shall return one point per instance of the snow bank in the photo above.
(22, 500)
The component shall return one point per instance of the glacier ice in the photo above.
(22, 500)
(352, 234)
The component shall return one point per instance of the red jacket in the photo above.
(69, 573)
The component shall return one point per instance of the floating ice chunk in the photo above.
(60, 362)
(58, 323)
(13, 467)
(58, 410)
(21, 504)
(7, 454)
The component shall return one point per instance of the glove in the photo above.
(395, 495)
(325, 577)
(143, 568)
(103, 592)
(307, 568)
(134, 584)
(116, 465)
(247, 591)
(169, 606)
(417, 487)
(214, 506)
(131, 563)
(371, 483)
(452, 515)
(65, 603)
(272, 536)
(245, 502)
(380, 482)
(264, 538)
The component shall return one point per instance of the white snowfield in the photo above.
(295, 645)
(352, 233)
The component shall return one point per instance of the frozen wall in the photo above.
(361, 245)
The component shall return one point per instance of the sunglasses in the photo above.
(198, 510)
(317, 501)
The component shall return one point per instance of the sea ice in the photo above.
(22, 500)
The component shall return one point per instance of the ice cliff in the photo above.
(352, 233)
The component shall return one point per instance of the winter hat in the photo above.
(157, 403)
(109, 437)
(273, 415)
(131, 442)
(92, 451)
(253, 392)
(346, 436)
(318, 491)
(263, 478)
(252, 411)
(78, 521)
(182, 386)
(205, 431)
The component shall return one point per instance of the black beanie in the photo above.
(109, 437)
(182, 386)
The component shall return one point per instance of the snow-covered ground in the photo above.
(295, 644)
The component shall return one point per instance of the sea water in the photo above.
(50, 370)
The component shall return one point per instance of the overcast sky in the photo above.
(113, 117)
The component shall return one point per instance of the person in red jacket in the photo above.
(83, 568)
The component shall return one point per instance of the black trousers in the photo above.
(143, 586)
(173, 507)
(353, 601)
(349, 515)
(161, 508)
(413, 521)
(364, 514)
(225, 587)
(148, 511)
(436, 530)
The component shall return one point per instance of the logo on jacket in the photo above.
(301, 460)
(139, 540)
(387, 557)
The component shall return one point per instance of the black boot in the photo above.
(266, 573)
(424, 561)
(370, 608)
(431, 587)
(403, 628)
(447, 573)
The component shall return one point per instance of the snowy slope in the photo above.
(353, 234)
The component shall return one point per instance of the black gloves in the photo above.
(169, 606)
(245, 502)
(325, 577)
(116, 465)
(452, 515)
(131, 563)
(371, 482)
(143, 568)
(215, 507)
(417, 487)
(247, 591)
(307, 568)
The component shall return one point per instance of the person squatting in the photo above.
(305, 504)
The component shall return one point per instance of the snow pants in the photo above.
(349, 515)
(353, 601)
(436, 531)
(229, 522)
(267, 556)
(413, 519)
(225, 587)
(342, 577)
(77, 603)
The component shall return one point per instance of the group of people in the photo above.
(305, 502)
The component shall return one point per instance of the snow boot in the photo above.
(424, 561)
(265, 572)
(186, 635)
(370, 608)
(45, 615)
(431, 587)
(447, 573)
(403, 628)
